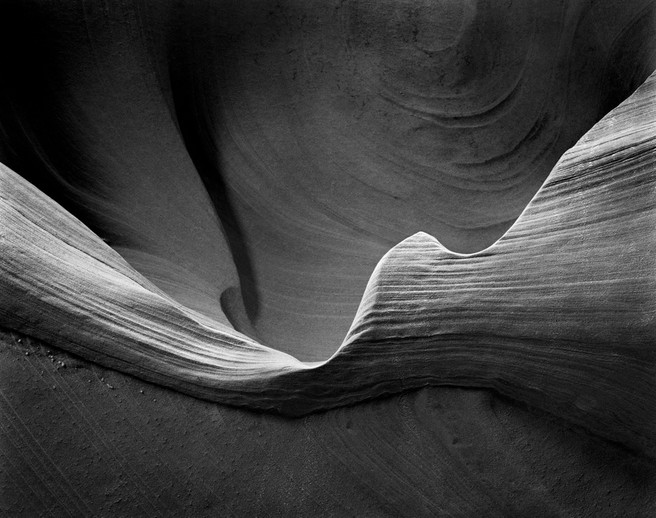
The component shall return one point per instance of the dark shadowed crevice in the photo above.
(191, 117)
(39, 139)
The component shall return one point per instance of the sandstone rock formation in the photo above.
(558, 313)
(320, 133)
(237, 174)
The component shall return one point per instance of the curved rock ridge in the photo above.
(558, 313)
(256, 161)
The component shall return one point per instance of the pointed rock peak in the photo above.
(403, 267)
(417, 244)
(421, 238)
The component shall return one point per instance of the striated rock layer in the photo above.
(558, 313)
(205, 190)
(256, 159)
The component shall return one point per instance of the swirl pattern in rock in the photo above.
(559, 312)
(256, 161)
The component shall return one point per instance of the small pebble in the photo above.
(27, 353)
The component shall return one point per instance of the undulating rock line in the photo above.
(260, 159)
(559, 313)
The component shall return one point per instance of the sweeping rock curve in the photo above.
(559, 312)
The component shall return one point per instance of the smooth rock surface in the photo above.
(321, 133)
(213, 186)
(559, 313)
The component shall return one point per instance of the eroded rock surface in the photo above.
(320, 133)
(559, 312)
(213, 186)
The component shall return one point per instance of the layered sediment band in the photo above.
(559, 313)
